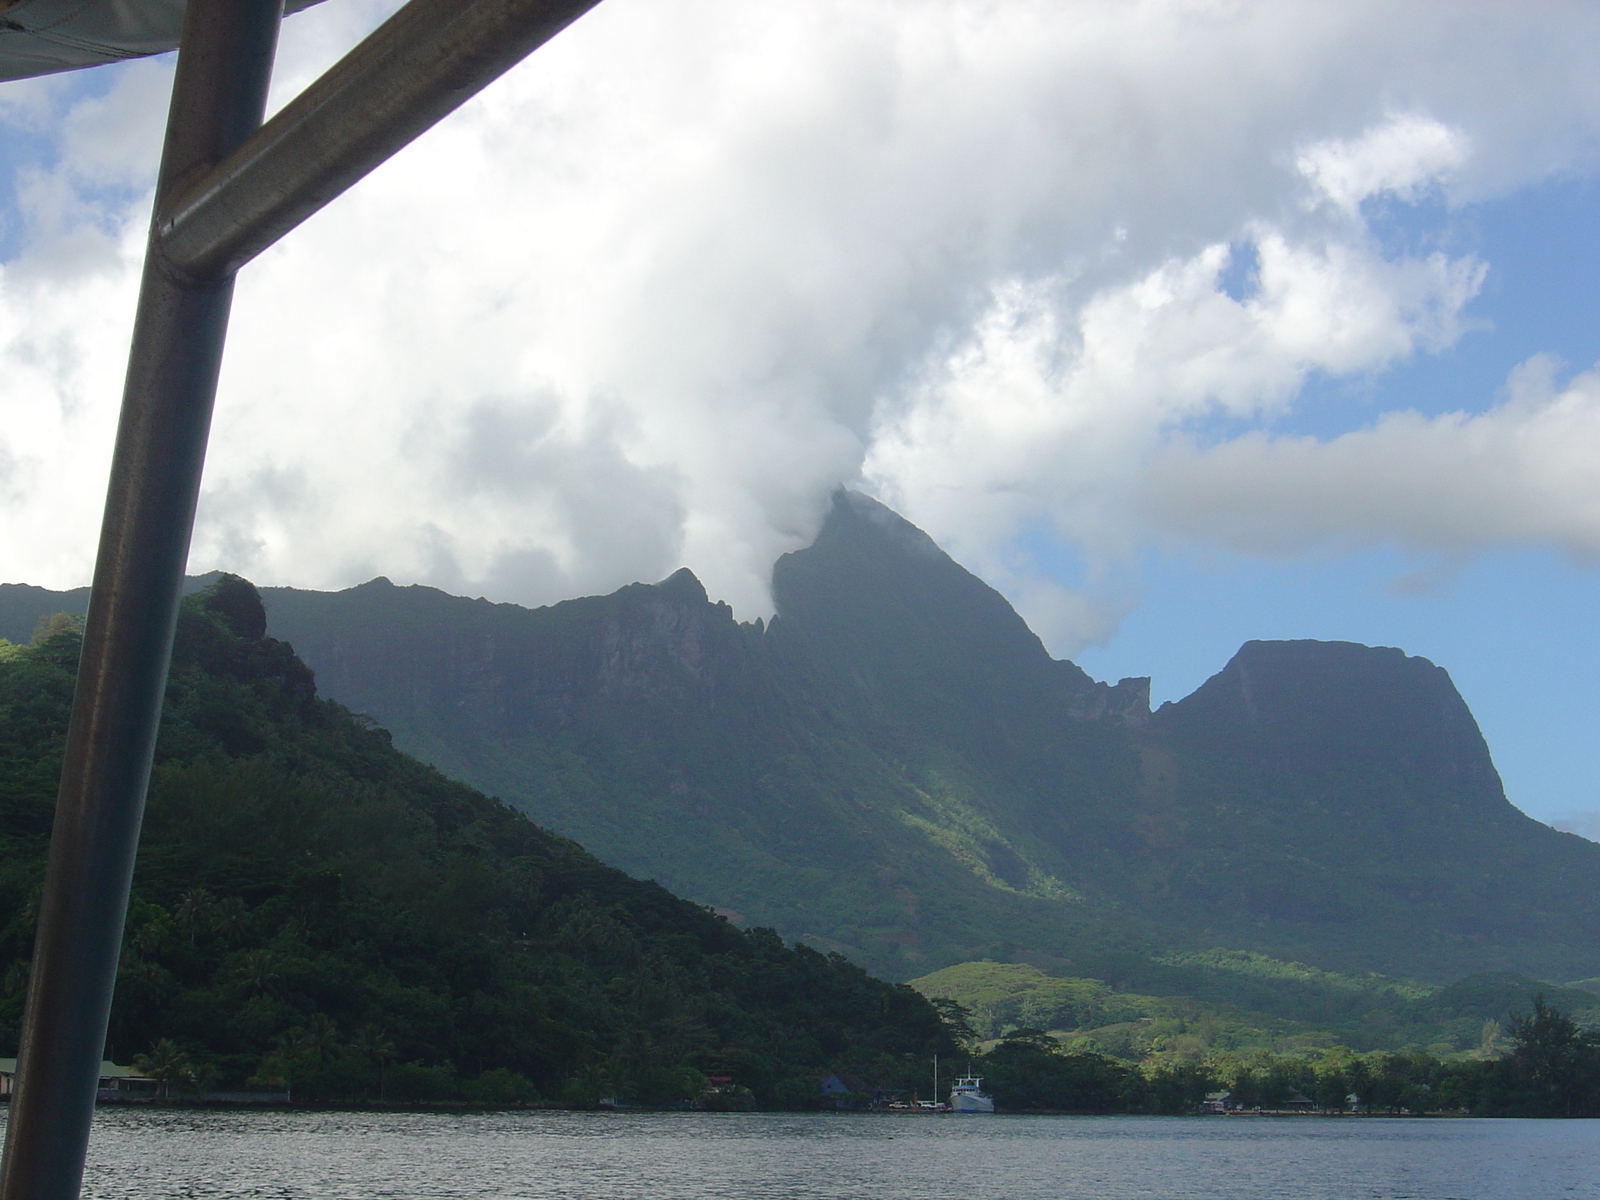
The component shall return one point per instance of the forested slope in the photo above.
(894, 767)
(314, 909)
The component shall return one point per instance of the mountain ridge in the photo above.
(314, 911)
(895, 768)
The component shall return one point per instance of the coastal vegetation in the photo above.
(1551, 1069)
(1275, 884)
(1494, 1044)
(315, 913)
(1471, 1016)
(318, 915)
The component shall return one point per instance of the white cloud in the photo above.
(653, 295)
(1051, 411)
(1527, 471)
(1404, 156)
(65, 312)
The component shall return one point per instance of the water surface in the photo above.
(153, 1153)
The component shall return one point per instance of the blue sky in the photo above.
(1518, 629)
(1180, 323)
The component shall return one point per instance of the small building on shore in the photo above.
(842, 1089)
(117, 1082)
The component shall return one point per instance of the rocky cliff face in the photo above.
(875, 597)
(1127, 701)
(895, 768)
(416, 654)
(1324, 706)
(1341, 798)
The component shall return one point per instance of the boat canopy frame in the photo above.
(227, 188)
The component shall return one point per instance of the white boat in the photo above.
(965, 1096)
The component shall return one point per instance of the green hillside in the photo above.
(313, 909)
(1337, 803)
(1470, 1017)
(895, 769)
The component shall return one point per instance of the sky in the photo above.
(1180, 323)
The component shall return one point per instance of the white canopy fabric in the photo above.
(40, 37)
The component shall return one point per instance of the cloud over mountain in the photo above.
(650, 298)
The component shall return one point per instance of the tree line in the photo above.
(1551, 1070)
(315, 913)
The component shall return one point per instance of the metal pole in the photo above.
(413, 70)
(224, 63)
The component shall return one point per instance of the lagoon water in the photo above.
(156, 1153)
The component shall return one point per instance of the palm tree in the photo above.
(274, 1072)
(292, 1044)
(257, 970)
(289, 1048)
(151, 936)
(230, 918)
(202, 1077)
(165, 1063)
(371, 1044)
(322, 1037)
(196, 912)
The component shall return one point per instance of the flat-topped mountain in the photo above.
(896, 768)
(1340, 801)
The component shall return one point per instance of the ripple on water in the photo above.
(152, 1153)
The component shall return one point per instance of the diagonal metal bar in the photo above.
(418, 67)
(227, 189)
(218, 94)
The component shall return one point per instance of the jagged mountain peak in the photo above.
(896, 768)
(683, 584)
(875, 589)
(859, 512)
